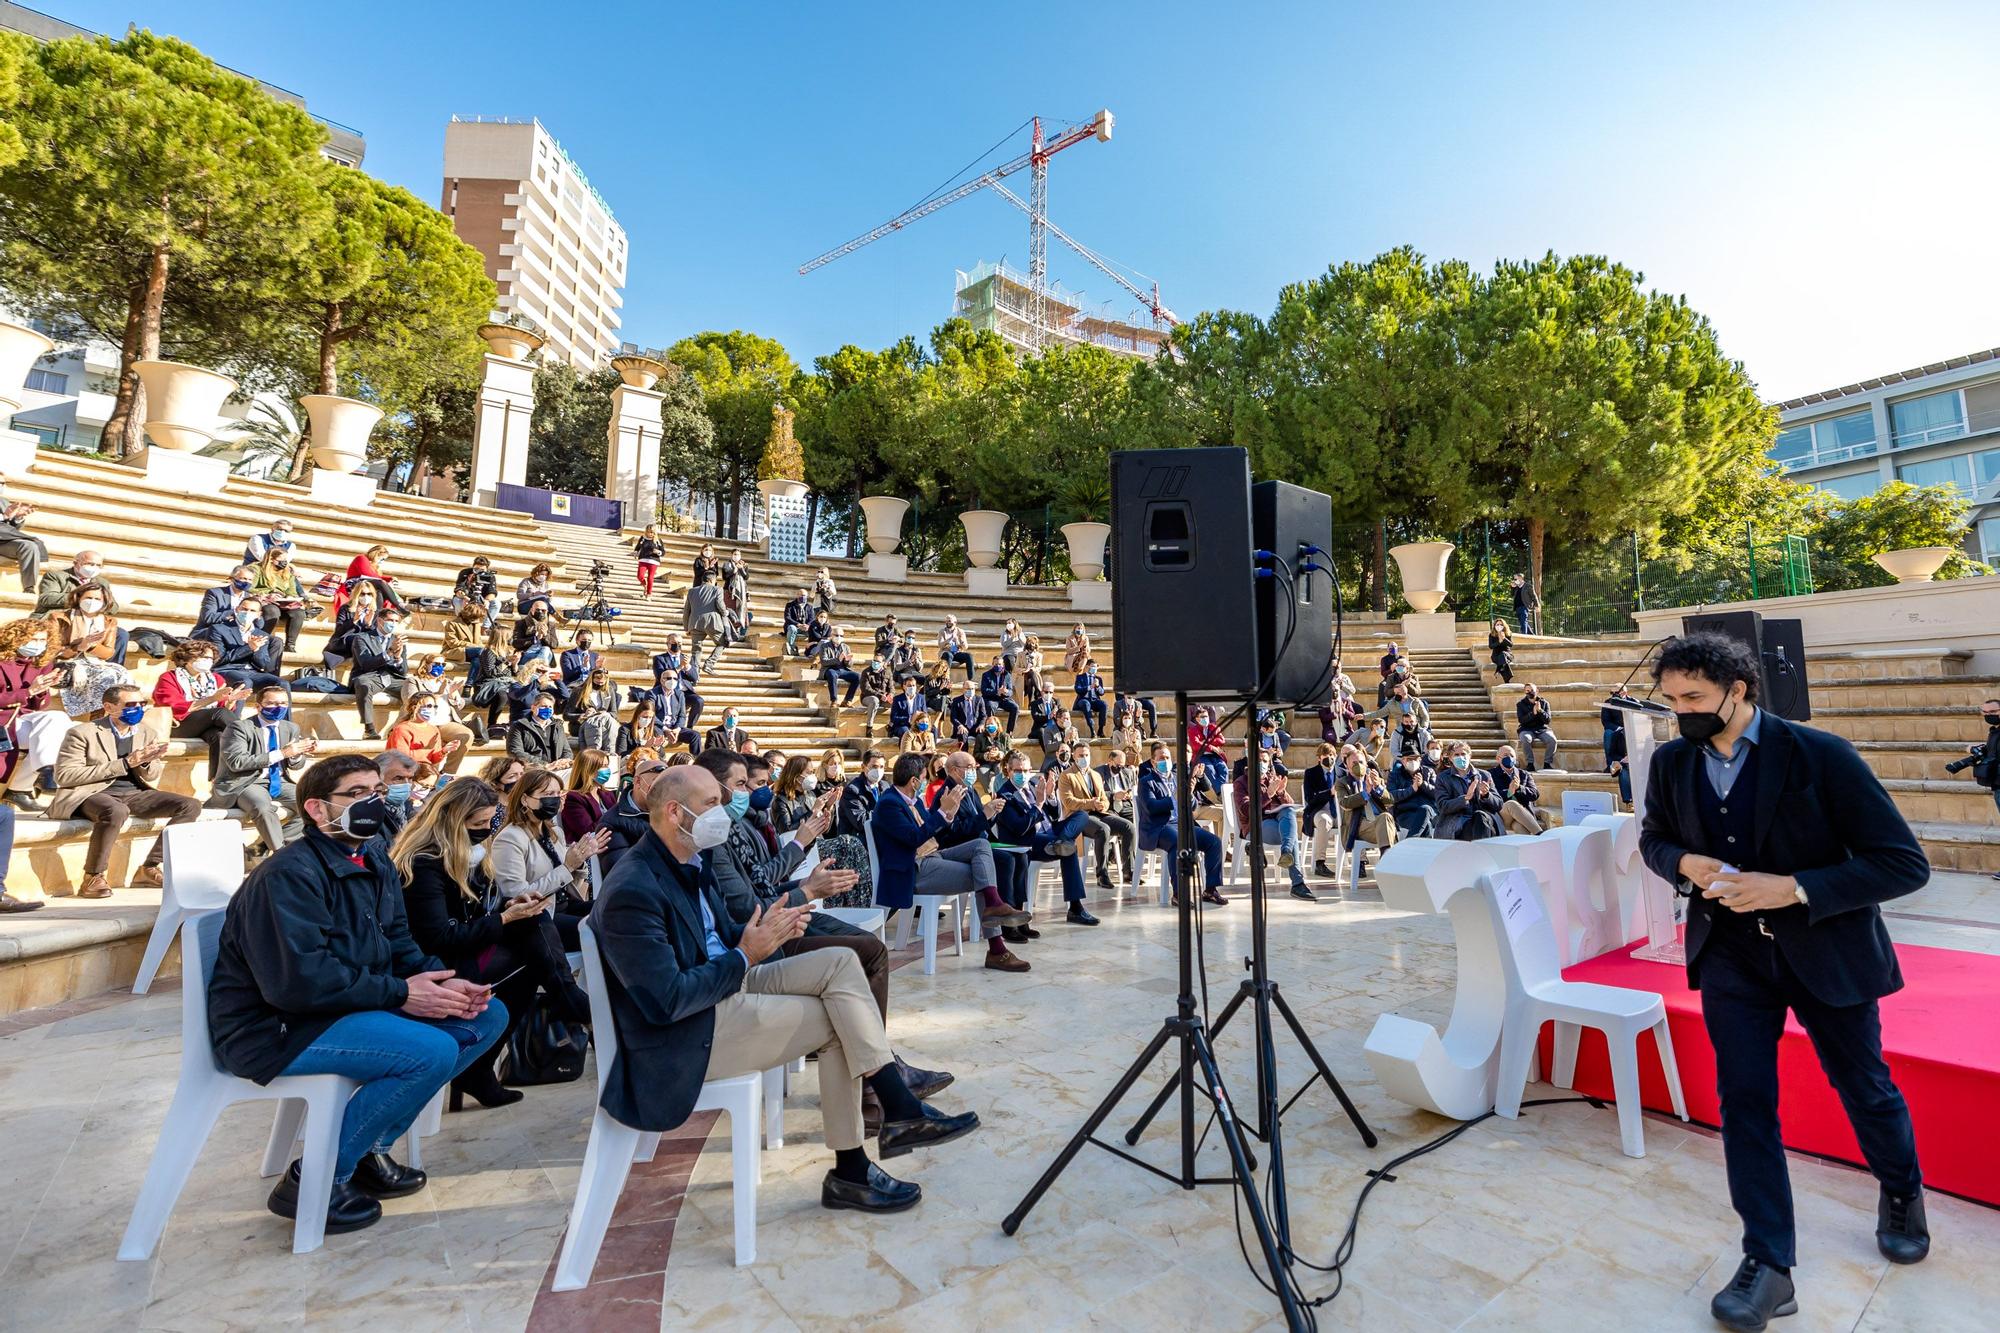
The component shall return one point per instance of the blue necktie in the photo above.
(277, 771)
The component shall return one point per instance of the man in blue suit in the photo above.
(1090, 697)
(1025, 820)
(695, 996)
(577, 663)
(673, 662)
(968, 712)
(911, 857)
(997, 693)
(1154, 802)
(1785, 844)
(904, 708)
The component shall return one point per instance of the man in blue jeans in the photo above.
(8, 902)
(316, 973)
(1154, 802)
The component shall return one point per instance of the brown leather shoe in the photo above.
(1006, 962)
(148, 877)
(94, 886)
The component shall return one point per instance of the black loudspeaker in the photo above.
(1781, 652)
(1183, 604)
(1295, 618)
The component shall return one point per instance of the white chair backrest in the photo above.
(1527, 938)
(202, 863)
(807, 864)
(1580, 805)
(201, 934)
(874, 861)
(603, 1030)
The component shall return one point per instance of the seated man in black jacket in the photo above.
(316, 973)
(694, 998)
(626, 819)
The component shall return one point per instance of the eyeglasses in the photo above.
(357, 793)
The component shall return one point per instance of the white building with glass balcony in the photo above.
(1936, 425)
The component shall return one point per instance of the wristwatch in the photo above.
(1799, 892)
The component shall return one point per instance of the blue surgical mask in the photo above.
(239, 584)
(275, 712)
(132, 714)
(1461, 762)
(1507, 761)
(398, 793)
(760, 800)
(437, 668)
(1018, 779)
(1162, 766)
(923, 726)
(739, 804)
(544, 713)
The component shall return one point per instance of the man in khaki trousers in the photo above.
(695, 996)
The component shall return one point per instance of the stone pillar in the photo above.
(506, 409)
(632, 458)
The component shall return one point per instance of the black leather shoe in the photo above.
(347, 1208)
(924, 1083)
(383, 1177)
(23, 802)
(1753, 1297)
(1900, 1230)
(1323, 870)
(1013, 935)
(934, 1127)
(1080, 916)
(1302, 893)
(882, 1194)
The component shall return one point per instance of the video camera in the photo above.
(1976, 755)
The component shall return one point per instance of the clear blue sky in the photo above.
(1815, 175)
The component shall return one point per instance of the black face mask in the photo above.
(363, 819)
(1704, 727)
(1991, 719)
(548, 806)
(479, 835)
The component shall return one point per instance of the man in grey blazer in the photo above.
(262, 754)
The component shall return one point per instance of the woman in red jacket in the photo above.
(367, 568)
(425, 733)
(26, 664)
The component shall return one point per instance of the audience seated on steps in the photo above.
(953, 645)
(697, 997)
(1518, 793)
(798, 619)
(995, 688)
(201, 703)
(262, 754)
(380, 662)
(1090, 698)
(728, 736)
(246, 653)
(1531, 715)
(34, 723)
(287, 606)
(589, 794)
(87, 643)
(920, 852)
(316, 973)
(539, 738)
(26, 551)
(107, 771)
(836, 667)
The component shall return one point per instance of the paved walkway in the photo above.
(1536, 1224)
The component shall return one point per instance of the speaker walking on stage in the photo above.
(1785, 844)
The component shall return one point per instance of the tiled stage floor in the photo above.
(1536, 1224)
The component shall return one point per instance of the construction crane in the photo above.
(1036, 206)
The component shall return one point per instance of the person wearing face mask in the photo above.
(580, 660)
(590, 794)
(540, 739)
(1081, 791)
(1413, 783)
(400, 772)
(476, 587)
(915, 856)
(366, 568)
(877, 689)
(1786, 845)
(696, 996)
(969, 713)
(34, 731)
(426, 732)
(793, 793)
(919, 739)
(858, 794)
(836, 667)
(1468, 804)
(798, 619)
(247, 654)
(531, 856)
(1518, 794)
(109, 771)
(261, 757)
(218, 605)
(85, 637)
(1409, 739)
(203, 706)
(284, 597)
(995, 688)
(1322, 811)
(1533, 725)
(1402, 706)
(316, 973)
(277, 537)
(1159, 829)
(593, 712)
(456, 916)
(1048, 717)
(1208, 743)
(624, 824)
(381, 661)
(538, 633)
(27, 552)
(1090, 698)
(1366, 807)
(903, 710)
(728, 736)
(53, 589)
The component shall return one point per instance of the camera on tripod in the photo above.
(1976, 755)
(598, 570)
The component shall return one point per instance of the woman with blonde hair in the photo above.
(277, 582)
(85, 638)
(919, 738)
(1076, 648)
(357, 612)
(456, 916)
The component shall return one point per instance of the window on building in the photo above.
(1853, 486)
(47, 381)
(1794, 447)
(1989, 541)
(1926, 420)
(1851, 436)
(1985, 469)
(49, 435)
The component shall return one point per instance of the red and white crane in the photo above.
(1036, 206)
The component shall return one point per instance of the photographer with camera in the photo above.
(1984, 759)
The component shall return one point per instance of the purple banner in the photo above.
(589, 511)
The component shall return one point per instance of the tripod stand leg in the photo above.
(1013, 1220)
(1312, 1051)
(1174, 1080)
(1246, 1180)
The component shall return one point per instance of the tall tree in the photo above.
(741, 375)
(153, 181)
(687, 436)
(569, 435)
(1594, 408)
(432, 430)
(15, 53)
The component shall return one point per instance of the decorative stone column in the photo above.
(506, 409)
(632, 460)
(20, 348)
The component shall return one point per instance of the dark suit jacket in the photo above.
(1319, 791)
(217, 608)
(1154, 802)
(1823, 818)
(661, 984)
(900, 828)
(900, 709)
(967, 714)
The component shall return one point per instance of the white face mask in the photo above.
(90, 606)
(811, 783)
(87, 572)
(711, 828)
(203, 665)
(475, 855)
(34, 648)
(875, 777)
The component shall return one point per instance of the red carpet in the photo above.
(1941, 1034)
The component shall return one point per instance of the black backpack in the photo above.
(542, 1048)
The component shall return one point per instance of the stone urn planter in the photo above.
(340, 429)
(639, 372)
(20, 348)
(1422, 565)
(1915, 564)
(1086, 549)
(983, 529)
(504, 340)
(183, 403)
(885, 522)
(781, 488)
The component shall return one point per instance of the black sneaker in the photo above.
(1302, 893)
(1756, 1295)
(1900, 1230)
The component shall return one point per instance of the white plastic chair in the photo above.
(872, 919)
(614, 1146)
(203, 868)
(205, 1090)
(925, 907)
(1537, 993)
